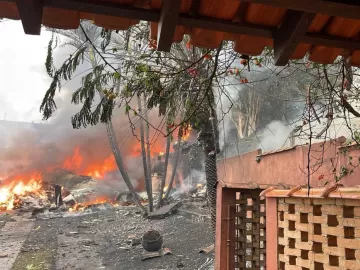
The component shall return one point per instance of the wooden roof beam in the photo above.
(31, 14)
(169, 15)
(289, 35)
(105, 8)
(241, 12)
(326, 7)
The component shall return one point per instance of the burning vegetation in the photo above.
(12, 192)
(77, 161)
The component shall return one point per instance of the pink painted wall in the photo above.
(290, 166)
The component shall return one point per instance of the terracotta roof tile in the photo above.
(265, 18)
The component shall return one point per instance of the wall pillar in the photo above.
(271, 234)
(225, 197)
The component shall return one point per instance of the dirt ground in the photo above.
(100, 241)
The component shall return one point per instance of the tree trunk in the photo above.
(163, 178)
(120, 164)
(148, 154)
(207, 138)
(115, 148)
(144, 161)
(173, 174)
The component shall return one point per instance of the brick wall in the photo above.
(318, 233)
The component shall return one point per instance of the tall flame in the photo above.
(99, 170)
(76, 163)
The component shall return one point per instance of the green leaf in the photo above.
(127, 108)
(116, 75)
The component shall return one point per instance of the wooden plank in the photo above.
(169, 15)
(288, 36)
(325, 7)
(31, 13)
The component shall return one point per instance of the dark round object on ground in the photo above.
(152, 241)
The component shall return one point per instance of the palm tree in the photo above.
(77, 39)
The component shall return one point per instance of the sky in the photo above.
(23, 78)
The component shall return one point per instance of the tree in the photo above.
(163, 78)
(78, 39)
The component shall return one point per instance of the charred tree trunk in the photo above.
(120, 164)
(173, 174)
(144, 158)
(163, 177)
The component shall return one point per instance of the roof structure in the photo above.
(322, 29)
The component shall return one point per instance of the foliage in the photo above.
(85, 94)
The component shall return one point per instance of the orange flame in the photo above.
(20, 186)
(99, 170)
(187, 133)
(77, 164)
(98, 200)
(74, 162)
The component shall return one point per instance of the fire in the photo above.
(199, 186)
(99, 200)
(11, 192)
(76, 163)
(99, 170)
(186, 133)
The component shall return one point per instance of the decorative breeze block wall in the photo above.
(250, 234)
(317, 234)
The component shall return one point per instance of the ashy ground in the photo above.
(100, 241)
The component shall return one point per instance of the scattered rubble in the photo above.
(208, 249)
(156, 254)
(208, 265)
(164, 211)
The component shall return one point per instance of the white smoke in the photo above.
(274, 136)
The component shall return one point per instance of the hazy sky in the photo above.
(23, 78)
